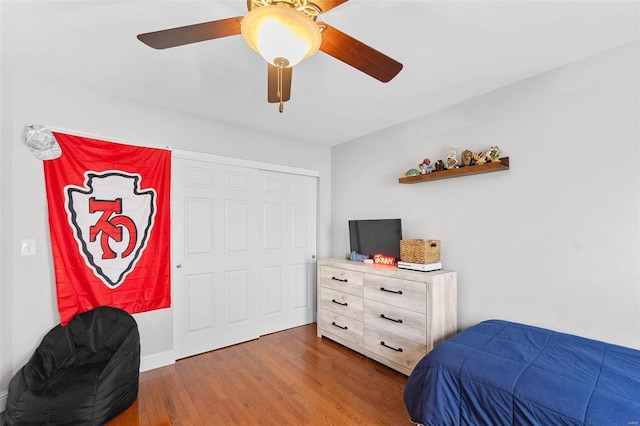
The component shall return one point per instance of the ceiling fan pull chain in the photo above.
(279, 94)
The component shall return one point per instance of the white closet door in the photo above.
(243, 251)
(288, 207)
(215, 285)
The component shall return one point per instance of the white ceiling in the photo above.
(451, 51)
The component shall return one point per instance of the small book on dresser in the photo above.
(423, 267)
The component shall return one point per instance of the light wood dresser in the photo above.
(394, 316)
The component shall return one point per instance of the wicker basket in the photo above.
(420, 251)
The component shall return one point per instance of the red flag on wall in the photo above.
(109, 220)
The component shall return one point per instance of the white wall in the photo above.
(5, 344)
(6, 215)
(27, 287)
(552, 242)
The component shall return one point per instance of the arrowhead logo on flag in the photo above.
(112, 217)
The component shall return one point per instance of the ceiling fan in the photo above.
(284, 32)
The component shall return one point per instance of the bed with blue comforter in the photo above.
(503, 373)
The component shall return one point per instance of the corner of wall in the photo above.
(157, 360)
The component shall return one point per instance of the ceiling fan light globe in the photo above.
(278, 31)
(275, 41)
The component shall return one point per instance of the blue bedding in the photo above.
(502, 373)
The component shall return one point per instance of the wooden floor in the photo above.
(286, 378)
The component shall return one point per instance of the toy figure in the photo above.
(479, 158)
(425, 167)
(467, 157)
(493, 154)
(354, 255)
(452, 159)
(412, 172)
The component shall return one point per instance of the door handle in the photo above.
(178, 266)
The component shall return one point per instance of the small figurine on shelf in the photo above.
(479, 158)
(493, 154)
(439, 166)
(412, 172)
(466, 157)
(425, 167)
(452, 158)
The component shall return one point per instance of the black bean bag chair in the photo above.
(84, 373)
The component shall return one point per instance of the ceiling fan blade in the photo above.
(326, 5)
(357, 54)
(192, 33)
(272, 84)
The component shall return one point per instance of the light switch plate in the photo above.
(28, 248)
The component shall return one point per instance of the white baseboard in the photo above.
(157, 360)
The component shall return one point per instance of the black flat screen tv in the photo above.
(376, 236)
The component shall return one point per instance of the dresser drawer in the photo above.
(341, 326)
(401, 350)
(410, 295)
(399, 321)
(341, 303)
(341, 280)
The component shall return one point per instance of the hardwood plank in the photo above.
(286, 378)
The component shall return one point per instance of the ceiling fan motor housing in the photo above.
(310, 9)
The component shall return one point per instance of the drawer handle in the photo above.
(339, 326)
(391, 291)
(391, 347)
(399, 321)
(338, 279)
(339, 303)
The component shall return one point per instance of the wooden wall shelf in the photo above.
(461, 171)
